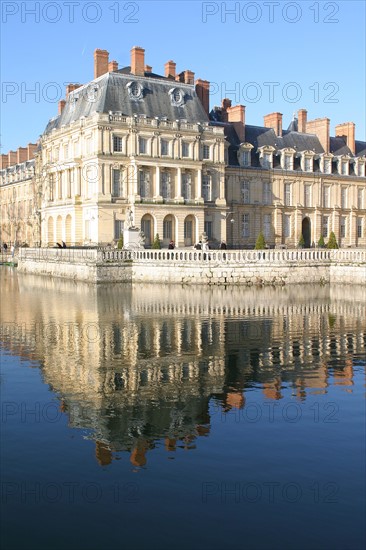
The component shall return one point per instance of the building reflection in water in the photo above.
(141, 366)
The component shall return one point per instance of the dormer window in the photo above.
(360, 170)
(266, 156)
(245, 154)
(287, 159)
(135, 90)
(176, 97)
(307, 161)
(326, 164)
(343, 167)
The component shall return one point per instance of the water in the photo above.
(166, 417)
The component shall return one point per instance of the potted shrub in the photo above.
(260, 242)
(321, 242)
(120, 242)
(156, 244)
(332, 242)
(301, 242)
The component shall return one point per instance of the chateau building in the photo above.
(134, 146)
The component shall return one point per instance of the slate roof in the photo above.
(109, 92)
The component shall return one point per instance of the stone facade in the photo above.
(135, 141)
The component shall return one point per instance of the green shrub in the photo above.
(332, 242)
(120, 242)
(301, 242)
(321, 242)
(156, 244)
(260, 242)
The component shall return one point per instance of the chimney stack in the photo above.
(302, 115)
(148, 69)
(203, 92)
(100, 62)
(347, 131)
(61, 105)
(31, 150)
(112, 66)
(236, 115)
(138, 61)
(4, 162)
(22, 154)
(12, 158)
(320, 127)
(169, 69)
(70, 88)
(188, 77)
(274, 120)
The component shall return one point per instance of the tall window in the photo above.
(70, 181)
(185, 149)
(187, 186)
(286, 225)
(361, 169)
(117, 144)
(326, 196)
(208, 229)
(288, 194)
(52, 187)
(307, 195)
(206, 152)
(246, 158)
(327, 165)
(359, 228)
(325, 226)
(308, 164)
(117, 184)
(343, 226)
(344, 167)
(245, 226)
(267, 160)
(165, 185)
(343, 197)
(288, 163)
(245, 191)
(164, 147)
(144, 183)
(360, 195)
(142, 146)
(118, 228)
(167, 229)
(188, 229)
(267, 225)
(266, 192)
(206, 188)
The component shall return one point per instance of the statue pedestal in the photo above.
(132, 238)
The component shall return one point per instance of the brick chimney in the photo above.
(148, 69)
(274, 120)
(347, 131)
(302, 115)
(70, 88)
(61, 105)
(236, 115)
(203, 92)
(112, 66)
(188, 77)
(138, 61)
(225, 105)
(12, 158)
(100, 62)
(32, 147)
(4, 162)
(169, 69)
(22, 154)
(320, 127)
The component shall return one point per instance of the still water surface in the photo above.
(160, 417)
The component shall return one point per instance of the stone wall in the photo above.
(186, 266)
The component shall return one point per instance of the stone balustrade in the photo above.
(189, 266)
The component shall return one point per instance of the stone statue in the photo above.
(129, 218)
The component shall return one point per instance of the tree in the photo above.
(260, 242)
(301, 242)
(321, 242)
(332, 242)
(156, 244)
(120, 242)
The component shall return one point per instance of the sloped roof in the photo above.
(110, 93)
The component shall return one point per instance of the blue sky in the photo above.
(269, 56)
